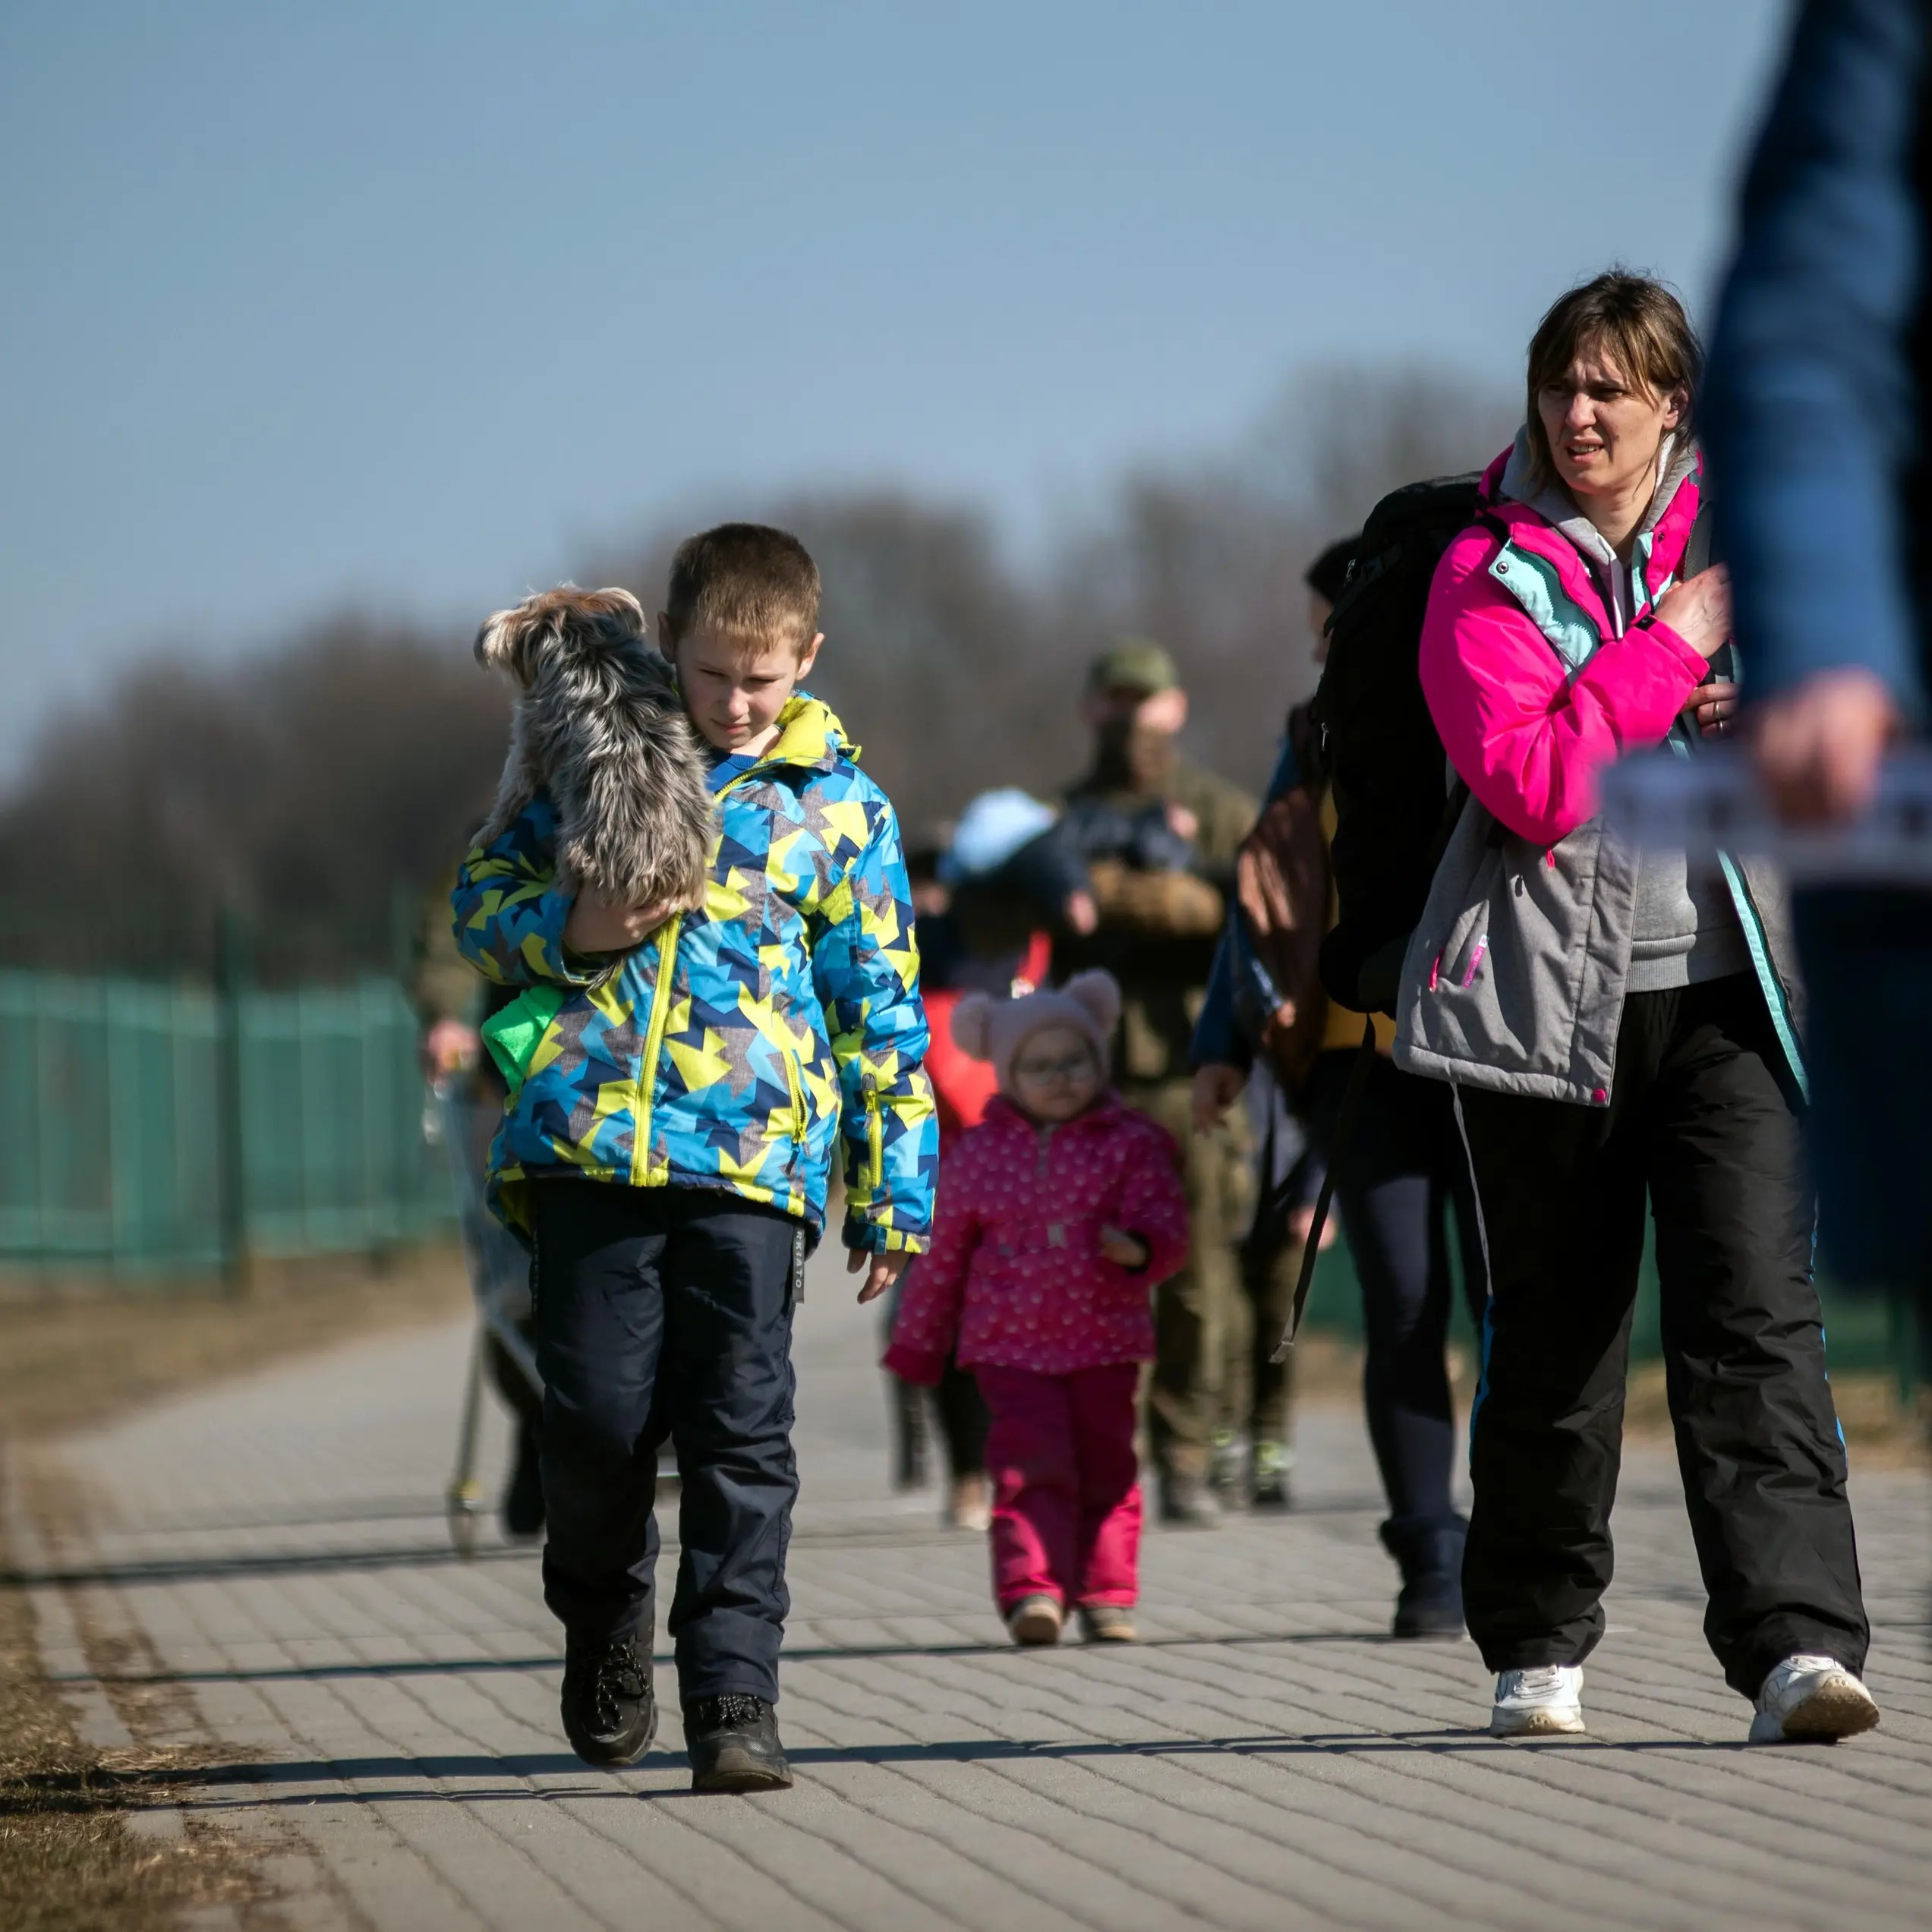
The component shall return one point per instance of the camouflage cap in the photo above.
(1132, 663)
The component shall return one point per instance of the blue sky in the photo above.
(407, 306)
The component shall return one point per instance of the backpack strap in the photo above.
(1697, 549)
(1697, 559)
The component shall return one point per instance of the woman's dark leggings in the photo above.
(1400, 1167)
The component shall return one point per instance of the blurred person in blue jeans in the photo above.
(1817, 407)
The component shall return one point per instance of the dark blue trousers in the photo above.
(667, 1311)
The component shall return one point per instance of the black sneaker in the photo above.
(523, 1494)
(733, 1741)
(609, 1714)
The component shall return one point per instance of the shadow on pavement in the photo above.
(896, 1531)
(508, 1776)
(801, 1653)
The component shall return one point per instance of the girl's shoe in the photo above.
(1034, 1620)
(970, 1506)
(1108, 1623)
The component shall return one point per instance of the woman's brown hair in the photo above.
(1639, 323)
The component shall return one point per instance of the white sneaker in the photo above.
(1811, 1700)
(1544, 1701)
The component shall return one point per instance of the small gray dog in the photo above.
(599, 723)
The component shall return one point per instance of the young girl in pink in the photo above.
(1056, 1215)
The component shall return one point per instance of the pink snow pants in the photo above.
(1066, 1505)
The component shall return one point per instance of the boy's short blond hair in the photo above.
(747, 583)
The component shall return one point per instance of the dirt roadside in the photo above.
(89, 1842)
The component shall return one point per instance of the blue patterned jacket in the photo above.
(741, 1043)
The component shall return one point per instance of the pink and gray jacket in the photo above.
(1514, 979)
(1015, 1278)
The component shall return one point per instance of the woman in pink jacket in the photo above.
(1057, 1216)
(1621, 1027)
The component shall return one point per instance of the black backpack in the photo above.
(1393, 815)
(1381, 755)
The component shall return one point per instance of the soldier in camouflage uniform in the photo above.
(1156, 934)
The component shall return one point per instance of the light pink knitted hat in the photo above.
(987, 1028)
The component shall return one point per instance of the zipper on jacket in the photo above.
(1045, 1133)
(653, 1045)
(1769, 985)
(874, 1136)
(795, 1081)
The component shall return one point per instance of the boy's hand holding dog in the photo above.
(595, 925)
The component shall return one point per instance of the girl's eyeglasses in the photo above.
(1069, 1067)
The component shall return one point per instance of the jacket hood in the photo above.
(1557, 507)
(1548, 522)
(810, 734)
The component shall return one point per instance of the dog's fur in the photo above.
(599, 724)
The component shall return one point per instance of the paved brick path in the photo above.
(264, 1570)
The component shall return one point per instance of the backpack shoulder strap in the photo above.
(1697, 550)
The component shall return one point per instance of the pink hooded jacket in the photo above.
(1526, 735)
(1015, 1271)
(1516, 974)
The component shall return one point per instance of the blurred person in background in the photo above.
(1817, 419)
(1395, 1176)
(1618, 1027)
(1159, 889)
(452, 1000)
(1254, 1439)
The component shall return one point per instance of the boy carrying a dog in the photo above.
(697, 1042)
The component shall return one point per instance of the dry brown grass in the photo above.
(70, 1859)
(1880, 1432)
(82, 1351)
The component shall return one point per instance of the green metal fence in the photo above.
(158, 1127)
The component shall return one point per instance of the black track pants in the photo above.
(668, 1310)
(1700, 1121)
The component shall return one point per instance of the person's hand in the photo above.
(1699, 610)
(1216, 1088)
(1123, 1250)
(595, 925)
(1183, 824)
(1081, 914)
(1819, 745)
(1711, 708)
(1301, 1224)
(881, 1270)
(450, 1047)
